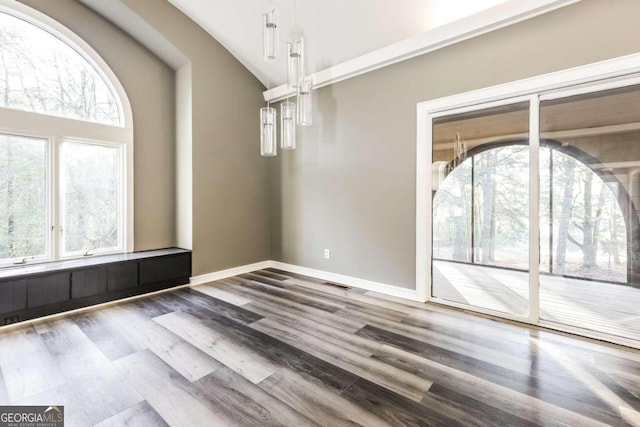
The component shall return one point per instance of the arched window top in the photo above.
(41, 73)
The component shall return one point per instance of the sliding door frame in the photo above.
(618, 72)
(430, 117)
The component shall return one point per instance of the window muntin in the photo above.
(91, 194)
(24, 219)
(41, 73)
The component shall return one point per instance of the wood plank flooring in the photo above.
(272, 348)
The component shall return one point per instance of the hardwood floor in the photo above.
(276, 349)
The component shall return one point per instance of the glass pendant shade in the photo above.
(270, 35)
(304, 102)
(268, 144)
(295, 62)
(288, 126)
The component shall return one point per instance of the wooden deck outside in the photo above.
(602, 307)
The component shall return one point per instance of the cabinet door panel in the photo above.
(89, 282)
(13, 296)
(122, 276)
(48, 289)
(166, 268)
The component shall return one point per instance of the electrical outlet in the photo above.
(326, 253)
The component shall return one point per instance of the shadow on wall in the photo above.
(327, 116)
(310, 139)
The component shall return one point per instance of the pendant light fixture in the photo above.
(295, 62)
(290, 113)
(270, 35)
(304, 101)
(268, 145)
(459, 150)
(288, 126)
(268, 126)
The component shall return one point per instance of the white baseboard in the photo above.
(410, 294)
(230, 272)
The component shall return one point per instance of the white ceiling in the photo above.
(334, 30)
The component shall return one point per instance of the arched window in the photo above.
(583, 229)
(66, 145)
(40, 73)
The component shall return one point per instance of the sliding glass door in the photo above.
(590, 189)
(553, 181)
(480, 208)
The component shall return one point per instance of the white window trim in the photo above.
(591, 78)
(57, 129)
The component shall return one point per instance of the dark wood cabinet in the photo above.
(86, 283)
(13, 295)
(42, 289)
(122, 276)
(168, 268)
(49, 289)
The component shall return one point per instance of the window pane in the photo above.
(40, 73)
(481, 209)
(91, 197)
(592, 263)
(23, 197)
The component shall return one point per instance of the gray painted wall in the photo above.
(230, 186)
(149, 84)
(350, 185)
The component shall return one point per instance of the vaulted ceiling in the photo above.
(334, 30)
